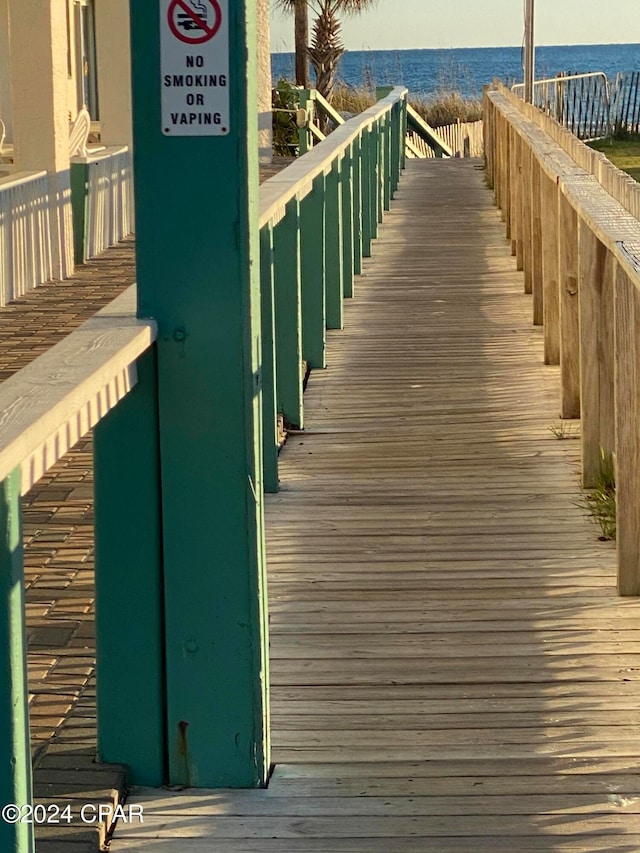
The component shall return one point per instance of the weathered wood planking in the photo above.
(452, 670)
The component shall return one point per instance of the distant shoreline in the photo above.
(433, 71)
(466, 47)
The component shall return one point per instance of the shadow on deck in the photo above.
(451, 667)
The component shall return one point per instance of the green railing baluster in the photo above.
(395, 157)
(374, 177)
(347, 222)
(129, 581)
(333, 249)
(314, 309)
(403, 133)
(381, 169)
(388, 179)
(15, 754)
(269, 407)
(357, 205)
(366, 167)
(305, 138)
(288, 313)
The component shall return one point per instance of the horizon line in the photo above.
(477, 47)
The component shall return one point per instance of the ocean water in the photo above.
(467, 70)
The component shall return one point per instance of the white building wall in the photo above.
(114, 71)
(39, 88)
(5, 70)
(264, 82)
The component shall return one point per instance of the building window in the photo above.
(86, 60)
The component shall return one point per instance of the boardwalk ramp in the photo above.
(452, 670)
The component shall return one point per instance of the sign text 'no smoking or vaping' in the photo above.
(194, 67)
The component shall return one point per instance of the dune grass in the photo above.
(623, 153)
(439, 110)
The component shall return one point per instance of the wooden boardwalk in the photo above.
(451, 668)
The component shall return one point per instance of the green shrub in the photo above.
(285, 100)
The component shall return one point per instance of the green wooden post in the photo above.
(288, 313)
(346, 186)
(196, 173)
(374, 176)
(381, 167)
(314, 308)
(365, 191)
(357, 206)
(269, 406)
(79, 181)
(334, 271)
(129, 597)
(388, 177)
(403, 133)
(396, 120)
(15, 753)
(305, 137)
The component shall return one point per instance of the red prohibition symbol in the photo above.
(194, 21)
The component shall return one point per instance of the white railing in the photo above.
(464, 139)
(580, 102)
(110, 198)
(25, 234)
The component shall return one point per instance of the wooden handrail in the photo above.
(578, 244)
(427, 133)
(49, 404)
(297, 179)
(18, 179)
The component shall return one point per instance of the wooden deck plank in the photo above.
(452, 669)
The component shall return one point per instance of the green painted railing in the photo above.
(314, 105)
(317, 220)
(47, 406)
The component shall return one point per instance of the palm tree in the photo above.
(326, 45)
(301, 11)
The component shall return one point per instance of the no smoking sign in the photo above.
(194, 67)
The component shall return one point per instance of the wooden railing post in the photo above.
(569, 310)
(128, 534)
(305, 137)
(536, 242)
(596, 354)
(366, 168)
(627, 376)
(269, 399)
(521, 203)
(396, 157)
(374, 177)
(288, 314)
(527, 217)
(357, 205)
(334, 264)
(381, 174)
(550, 270)
(314, 308)
(387, 176)
(403, 131)
(514, 197)
(15, 753)
(507, 176)
(346, 188)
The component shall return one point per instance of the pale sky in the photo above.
(398, 24)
